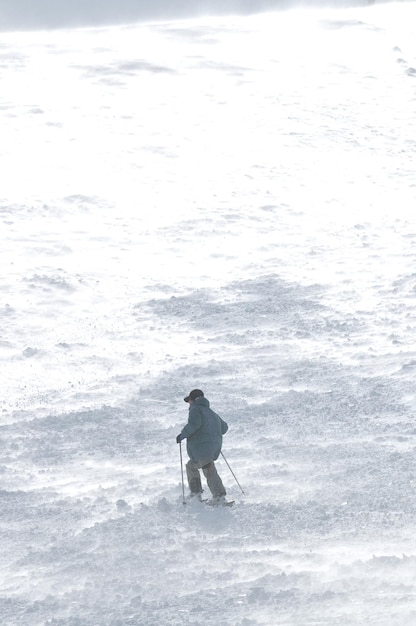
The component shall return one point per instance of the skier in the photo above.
(203, 432)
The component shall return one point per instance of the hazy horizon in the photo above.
(24, 14)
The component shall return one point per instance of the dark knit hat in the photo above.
(195, 393)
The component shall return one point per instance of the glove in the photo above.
(179, 438)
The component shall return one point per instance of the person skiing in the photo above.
(203, 433)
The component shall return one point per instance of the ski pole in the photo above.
(183, 486)
(235, 477)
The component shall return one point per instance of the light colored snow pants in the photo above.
(210, 472)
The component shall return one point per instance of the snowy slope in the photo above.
(223, 203)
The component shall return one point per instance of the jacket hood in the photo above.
(201, 401)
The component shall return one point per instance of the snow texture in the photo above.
(225, 203)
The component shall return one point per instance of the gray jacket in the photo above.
(203, 432)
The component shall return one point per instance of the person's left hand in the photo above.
(179, 438)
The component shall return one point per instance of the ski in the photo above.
(208, 502)
(219, 504)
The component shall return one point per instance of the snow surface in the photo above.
(223, 203)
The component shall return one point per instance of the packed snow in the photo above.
(229, 204)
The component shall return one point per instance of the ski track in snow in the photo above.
(225, 203)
